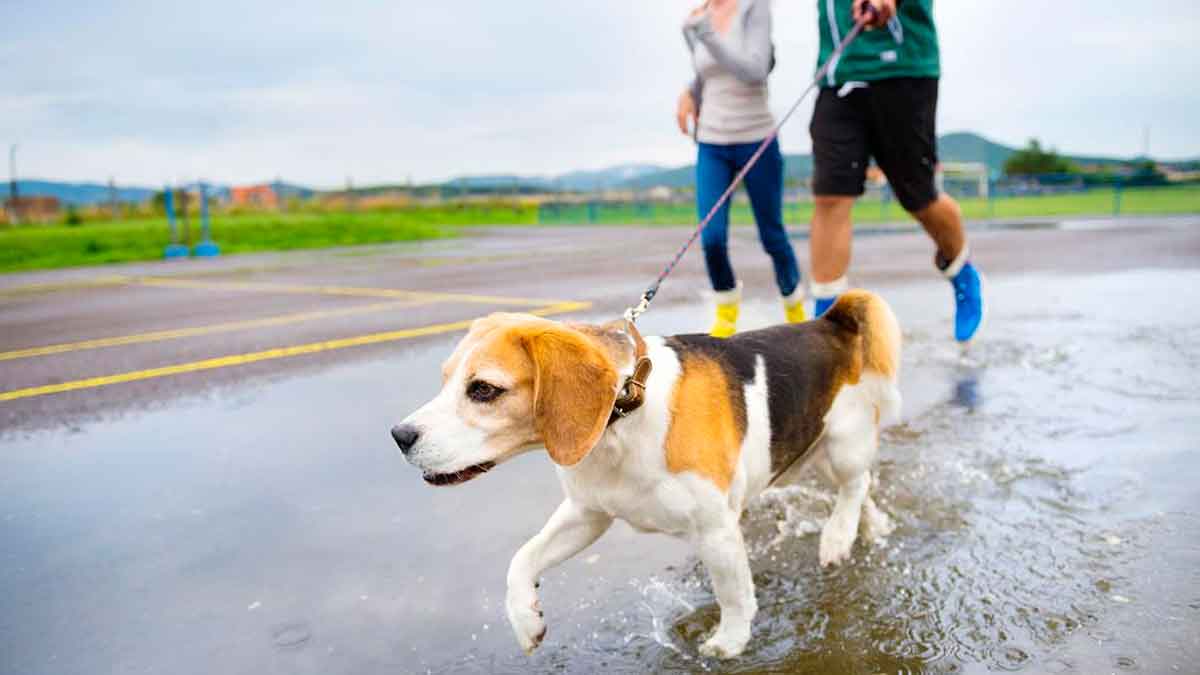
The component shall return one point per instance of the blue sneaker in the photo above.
(827, 294)
(968, 300)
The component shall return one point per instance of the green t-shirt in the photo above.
(907, 47)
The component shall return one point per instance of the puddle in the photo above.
(1043, 487)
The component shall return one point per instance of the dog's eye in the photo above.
(483, 392)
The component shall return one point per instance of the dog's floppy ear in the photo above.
(574, 389)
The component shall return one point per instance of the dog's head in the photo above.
(516, 382)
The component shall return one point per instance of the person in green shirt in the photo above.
(879, 101)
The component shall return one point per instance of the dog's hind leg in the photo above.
(875, 523)
(839, 533)
(849, 448)
(723, 552)
(571, 529)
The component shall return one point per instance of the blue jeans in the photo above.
(716, 165)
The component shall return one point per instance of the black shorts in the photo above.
(893, 121)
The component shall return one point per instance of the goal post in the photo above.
(964, 179)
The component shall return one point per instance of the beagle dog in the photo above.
(672, 435)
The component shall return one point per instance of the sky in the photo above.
(324, 93)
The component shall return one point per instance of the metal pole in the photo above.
(112, 199)
(204, 228)
(174, 249)
(184, 198)
(207, 248)
(12, 184)
(169, 207)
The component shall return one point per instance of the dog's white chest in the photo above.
(662, 506)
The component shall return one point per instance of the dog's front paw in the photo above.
(836, 544)
(525, 616)
(724, 645)
(876, 525)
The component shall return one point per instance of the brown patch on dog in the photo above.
(706, 429)
(574, 388)
(479, 330)
(613, 337)
(868, 317)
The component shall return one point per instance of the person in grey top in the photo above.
(727, 108)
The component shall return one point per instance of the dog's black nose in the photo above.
(406, 436)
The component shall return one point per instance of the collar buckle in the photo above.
(633, 392)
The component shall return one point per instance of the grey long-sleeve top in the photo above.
(730, 87)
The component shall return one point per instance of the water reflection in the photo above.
(967, 393)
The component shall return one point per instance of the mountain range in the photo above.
(80, 194)
(955, 147)
(964, 147)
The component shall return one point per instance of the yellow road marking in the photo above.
(177, 333)
(95, 282)
(266, 355)
(265, 287)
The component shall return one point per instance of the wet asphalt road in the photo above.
(215, 489)
(313, 297)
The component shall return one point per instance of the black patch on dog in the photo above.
(806, 364)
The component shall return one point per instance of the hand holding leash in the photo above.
(874, 13)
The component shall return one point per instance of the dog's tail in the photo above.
(867, 316)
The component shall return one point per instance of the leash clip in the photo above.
(632, 313)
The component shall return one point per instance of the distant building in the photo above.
(254, 195)
(33, 209)
(660, 193)
(1176, 175)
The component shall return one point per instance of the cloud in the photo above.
(316, 92)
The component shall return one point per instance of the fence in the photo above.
(1033, 197)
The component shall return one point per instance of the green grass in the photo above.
(1099, 202)
(52, 246)
(44, 247)
(1165, 200)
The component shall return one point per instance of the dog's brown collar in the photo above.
(633, 392)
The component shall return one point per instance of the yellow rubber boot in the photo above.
(728, 305)
(793, 307)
